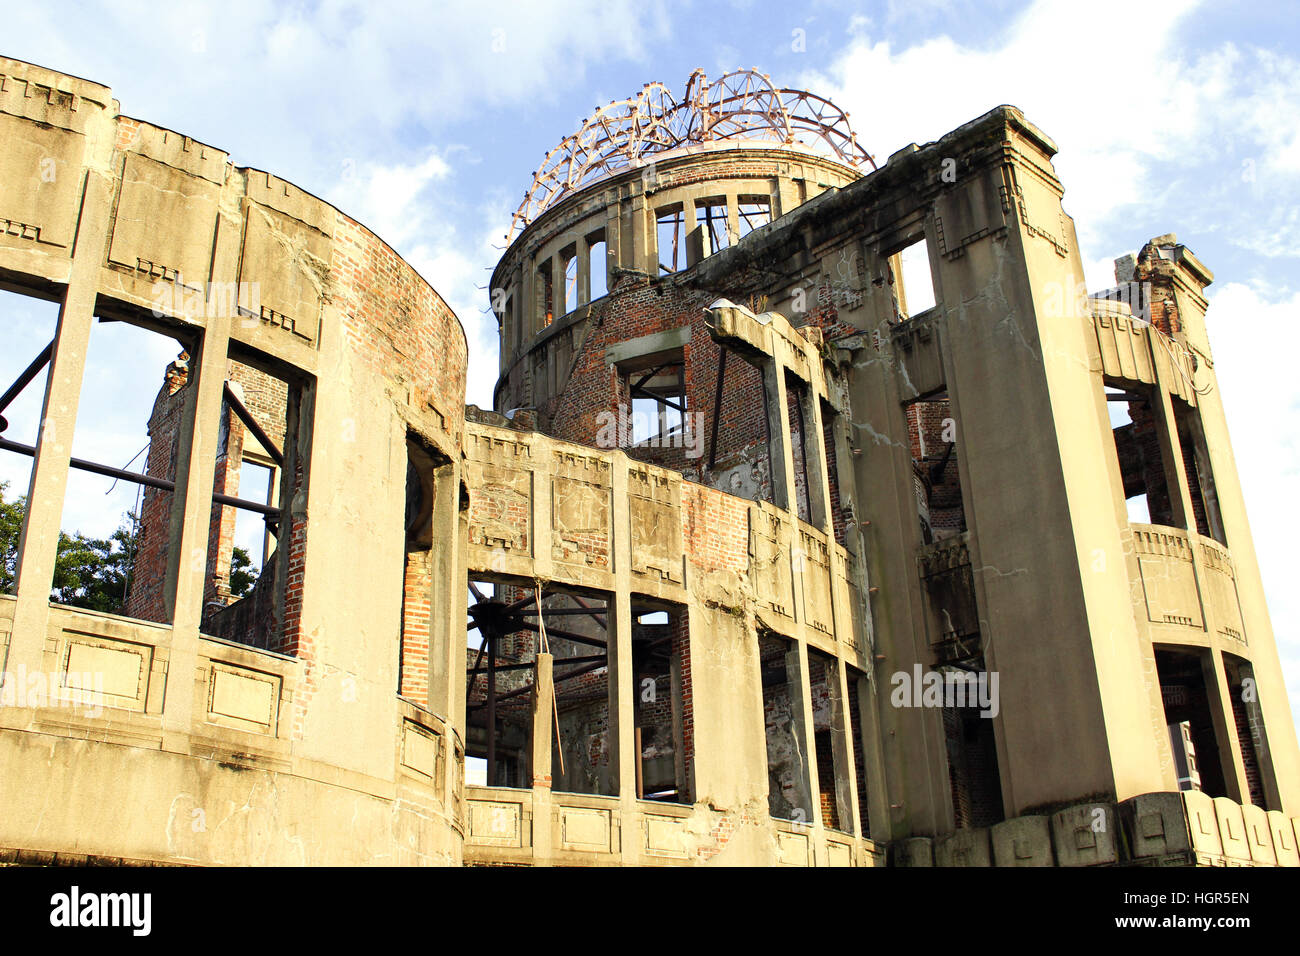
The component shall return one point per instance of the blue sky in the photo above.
(426, 122)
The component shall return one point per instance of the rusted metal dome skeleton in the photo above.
(741, 105)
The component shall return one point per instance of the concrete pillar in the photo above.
(526, 307)
(540, 759)
(447, 598)
(456, 719)
(613, 242)
(622, 702)
(542, 498)
(194, 478)
(557, 300)
(38, 543)
(785, 197)
(543, 716)
(584, 272)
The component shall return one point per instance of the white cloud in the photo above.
(299, 90)
(1254, 340)
(1135, 114)
(419, 209)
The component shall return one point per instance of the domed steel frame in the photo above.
(741, 105)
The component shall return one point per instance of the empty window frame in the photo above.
(500, 685)
(913, 281)
(857, 680)
(29, 326)
(120, 525)
(740, 441)
(658, 402)
(1136, 429)
(711, 218)
(570, 259)
(805, 453)
(597, 265)
(417, 575)
(500, 659)
(1186, 679)
(830, 723)
(752, 212)
(545, 296)
(788, 792)
(1200, 475)
(510, 329)
(584, 749)
(838, 522)
(932, 432)
(254, 545)
(664, 732)
(670, 226)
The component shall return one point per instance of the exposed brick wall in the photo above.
(717, 529)
(251, 620)
(636, 307)
(145, 598)
(682, 648)
(931, 428)
(1249, 757)
(417, 585)
(826, 780)
(293, 639)
(396, 325)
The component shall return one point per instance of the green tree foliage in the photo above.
(93, 573)
(242, 573)
(11, 526)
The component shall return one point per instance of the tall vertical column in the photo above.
(543, 715)
(584, 271)
(38, 543)
(447, 598)
(557, 306)
(194, 474)
(622, 703)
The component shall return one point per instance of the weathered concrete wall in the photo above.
(205, 751)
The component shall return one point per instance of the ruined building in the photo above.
(823, 517)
